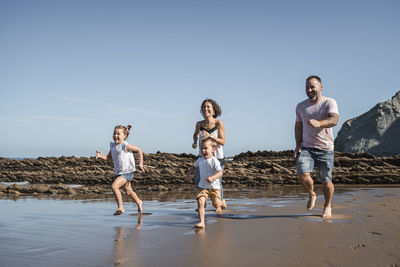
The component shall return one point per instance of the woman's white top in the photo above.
(124, 162)
(219, 152)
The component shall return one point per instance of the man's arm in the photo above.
(329, 122)
(298, 135)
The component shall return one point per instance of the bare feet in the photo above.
(118, 212)
(223, 206)
(218, 210)
(327, 212)
(139, 207)
(200, 225)
(311, 201)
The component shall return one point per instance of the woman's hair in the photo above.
(216, 107)
(124, 128)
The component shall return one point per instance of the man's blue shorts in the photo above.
(323, 159)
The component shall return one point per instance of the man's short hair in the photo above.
(211, 140)
(314, 77)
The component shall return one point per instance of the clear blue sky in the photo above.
(72, 70)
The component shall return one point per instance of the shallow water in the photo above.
(83, 232)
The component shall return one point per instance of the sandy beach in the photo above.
(267, 226)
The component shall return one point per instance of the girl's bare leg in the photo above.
(120, 181)
(201, 201)
(134, 196)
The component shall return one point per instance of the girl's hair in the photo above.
(216, 107)
(124, 128)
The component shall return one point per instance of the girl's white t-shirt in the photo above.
(124, 162)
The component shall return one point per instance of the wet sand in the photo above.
(265, 227)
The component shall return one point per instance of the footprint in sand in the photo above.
(358, 245)
(374, 233)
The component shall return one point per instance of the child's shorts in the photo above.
(127, 176)
(214, 194)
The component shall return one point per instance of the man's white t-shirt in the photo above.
(320, 138)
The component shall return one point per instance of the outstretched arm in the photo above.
(102, 156)
(329, 122)
(190, 173)
(133, 148)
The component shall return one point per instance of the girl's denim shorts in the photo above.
(127, 176)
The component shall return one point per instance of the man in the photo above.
(315, 118)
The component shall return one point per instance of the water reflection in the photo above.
(120, 242)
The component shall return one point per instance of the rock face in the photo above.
(376, 131)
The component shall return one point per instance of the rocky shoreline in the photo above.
(167, 172)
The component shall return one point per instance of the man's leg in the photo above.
(329, 190)
(308, 184)
(325, 162)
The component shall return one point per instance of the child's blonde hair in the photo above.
(124, 128)
(211, 140)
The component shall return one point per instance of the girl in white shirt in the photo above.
(124, 166)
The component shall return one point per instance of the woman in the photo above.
(210, 127)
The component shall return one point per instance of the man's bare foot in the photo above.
(327, 212)
(200, 225)
(311, 201)
(140, 207)
(118, 212)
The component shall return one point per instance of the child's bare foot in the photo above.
(311, 201)
(118, 212)
(218, 210)
(200, 225)
(139, 207)
(223, 206)
(327, 212)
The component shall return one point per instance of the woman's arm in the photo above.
(221, 134)
(133, 148)
(196, 135)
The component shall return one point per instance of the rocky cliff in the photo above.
(376, 131)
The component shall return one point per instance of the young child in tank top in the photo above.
(124, 166)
